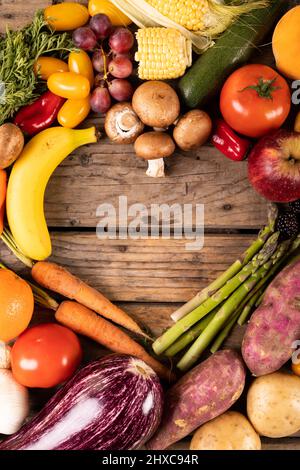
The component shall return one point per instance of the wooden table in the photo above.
(148, 278)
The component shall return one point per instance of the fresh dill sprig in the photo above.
(18, 52)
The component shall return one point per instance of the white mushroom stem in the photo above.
(156, 168)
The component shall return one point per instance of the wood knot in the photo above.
(84, 160)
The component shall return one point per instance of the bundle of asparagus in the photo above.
(208, 318)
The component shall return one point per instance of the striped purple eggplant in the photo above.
(114, 403)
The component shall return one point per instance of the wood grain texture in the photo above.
(147, 278)
(18, 13)
(143, 270)
(101, 173)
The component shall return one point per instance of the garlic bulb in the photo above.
(4, 356)
(14, 403)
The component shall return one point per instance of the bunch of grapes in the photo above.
(112, 60)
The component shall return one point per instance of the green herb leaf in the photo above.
(18, 52)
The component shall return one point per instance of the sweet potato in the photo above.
(275, 325)
(205, 392)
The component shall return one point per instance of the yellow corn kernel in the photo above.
(163, 53)
(187, 13)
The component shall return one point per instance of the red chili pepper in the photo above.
(229, 143)
(40, 114)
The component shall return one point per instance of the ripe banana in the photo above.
(28, 181)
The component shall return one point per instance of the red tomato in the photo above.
(45, 355)
(255, 100)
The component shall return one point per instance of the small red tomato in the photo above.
(255, 100)
(45, 356)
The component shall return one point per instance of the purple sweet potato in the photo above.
(202, 394)
(275, 325)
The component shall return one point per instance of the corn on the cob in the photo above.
(197, 17)
(163, 53)
(190, 14)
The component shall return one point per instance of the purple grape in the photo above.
(101, 25)
(129, 55)
(98, 59)
(120, 67)
(120, 89)
(121, 40)
(100, 100)
(84, 38)
(101, 79)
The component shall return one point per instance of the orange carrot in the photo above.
(3, 184)
(84, 321)
(56, 278)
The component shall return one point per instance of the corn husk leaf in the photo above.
(144, 15)
(218, 19)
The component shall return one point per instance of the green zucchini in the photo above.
(206, 77)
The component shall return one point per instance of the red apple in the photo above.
(274, 166)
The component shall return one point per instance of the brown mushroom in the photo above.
(122, 125)
(154, 146)
(192, 130)
(156, 104)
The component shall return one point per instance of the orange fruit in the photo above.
(16, 305)
(296, 369)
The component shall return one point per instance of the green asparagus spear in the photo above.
(203, 295)
(249, 307)
(287, 249)
(253, 299)
(225, 332)
(205, 338)
(249, 301)
(183, 325)
(190, 335)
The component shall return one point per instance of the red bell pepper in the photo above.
(229, 143)
(3, 185)
(40, 114)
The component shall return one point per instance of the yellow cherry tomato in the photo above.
(297, 123)
(66, 16)
(46, 66)
(69, 85)
(116, 16)
(296, 369)
(73, 112)
(79, 62)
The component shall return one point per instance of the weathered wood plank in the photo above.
(18, 13)
(102, 172)
(143, 270)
